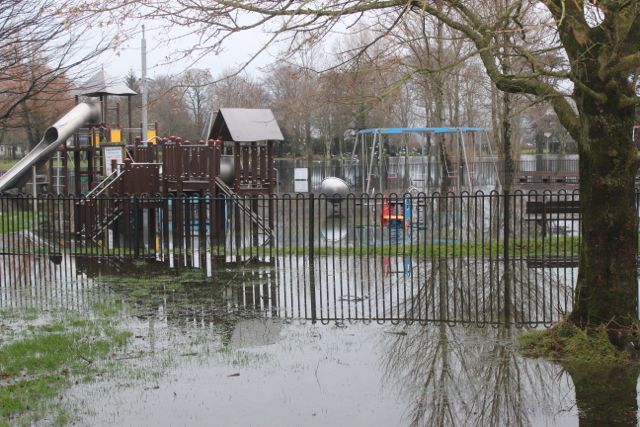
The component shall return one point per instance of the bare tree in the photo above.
(42, 52)
(35, 114)
(198, 94)
(294, 92)
(167, 105)
(237, 91)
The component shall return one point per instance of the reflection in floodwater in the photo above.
(467, 290)
(605, 395)
(44, 282)
(395, 288)
(469, 376)
(433, 369)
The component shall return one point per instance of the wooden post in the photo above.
(217, 205)
(254, 164)
(179, 163)
(245, 164)
(202, 228)
(130, 117)
(236, 166)
(90, 163)
(187, 227)
(127, 205)
(264, 174)
(270, 165)
(272, 185)
(214, 165)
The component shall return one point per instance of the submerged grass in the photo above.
(569, 344)
(41, 361)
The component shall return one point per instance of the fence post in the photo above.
(507, 270)
(312, 272)
(136, 227)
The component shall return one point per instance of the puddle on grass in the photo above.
(206, 354)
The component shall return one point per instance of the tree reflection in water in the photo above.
(462, 375)
(454, 375)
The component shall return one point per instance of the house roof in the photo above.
(246, 125)
(101, 84)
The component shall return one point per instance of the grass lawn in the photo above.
(38, 362)
(7, 164)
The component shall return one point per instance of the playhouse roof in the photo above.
(101, 84)
(246, 125)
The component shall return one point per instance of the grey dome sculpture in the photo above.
(334, 188)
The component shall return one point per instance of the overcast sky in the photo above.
(237, 51)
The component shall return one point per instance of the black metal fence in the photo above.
(481, 258)
(490, 225)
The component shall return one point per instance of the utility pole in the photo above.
(145, 121)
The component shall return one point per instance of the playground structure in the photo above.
(219, 189)
(90, 160)
(458, 150)
(231, 169)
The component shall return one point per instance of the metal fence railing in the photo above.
(474, 258)
(492, 224)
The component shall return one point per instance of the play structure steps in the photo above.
(260, 222)
(105, 185)
(104, 224)
(92, 221)
(99, 222)
(96, 222)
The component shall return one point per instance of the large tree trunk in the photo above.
(607, 287)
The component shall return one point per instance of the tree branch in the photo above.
(482, 39)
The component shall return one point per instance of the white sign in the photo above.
(110, 154)
(301, 173)
(301, 180)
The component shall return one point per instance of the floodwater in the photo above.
(230, 350)
(292, 374)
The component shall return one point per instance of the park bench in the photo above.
(545, 210)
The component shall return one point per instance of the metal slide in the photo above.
(54, 136)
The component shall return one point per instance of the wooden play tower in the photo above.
(231, 175)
